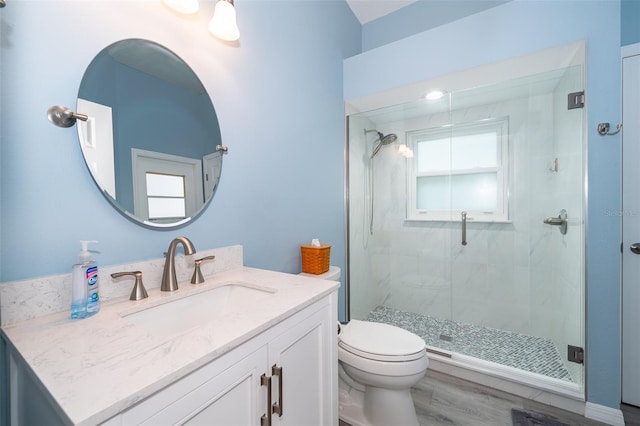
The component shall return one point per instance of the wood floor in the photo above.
(631, 415)
(442, 400)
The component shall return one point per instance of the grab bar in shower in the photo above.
(464, 228)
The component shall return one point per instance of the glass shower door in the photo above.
(516, 193)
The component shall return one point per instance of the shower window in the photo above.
(459, 168)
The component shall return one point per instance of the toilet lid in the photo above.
(380, 341)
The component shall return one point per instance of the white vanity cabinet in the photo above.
(291, 366)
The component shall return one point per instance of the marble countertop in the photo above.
(97, 367)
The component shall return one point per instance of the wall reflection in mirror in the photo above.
(151, 137)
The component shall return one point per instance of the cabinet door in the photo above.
(233, 397)
(304, 354)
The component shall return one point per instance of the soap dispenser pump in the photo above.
(85, 300)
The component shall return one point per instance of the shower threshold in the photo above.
(528, 353)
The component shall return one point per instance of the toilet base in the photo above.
(388, 407)
(350, 409)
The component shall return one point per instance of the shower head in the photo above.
(382, 140)
(388, 139)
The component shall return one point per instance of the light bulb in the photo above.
(223, 24)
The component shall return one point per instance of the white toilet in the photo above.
(378, 365)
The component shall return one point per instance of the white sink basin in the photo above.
(179, 315)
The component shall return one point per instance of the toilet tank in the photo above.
(333, 274)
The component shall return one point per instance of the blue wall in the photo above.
(278, 97)
(517, 28)
(419, 16)
(630, 20)
(424, 15)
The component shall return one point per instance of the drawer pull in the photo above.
(265, 420)
(277, 406)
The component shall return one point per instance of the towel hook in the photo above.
(603, 129)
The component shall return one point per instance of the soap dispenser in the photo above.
(85, 300)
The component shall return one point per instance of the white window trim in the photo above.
(182, 198)
(501, 126)
(156, 162)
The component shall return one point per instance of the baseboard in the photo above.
(601, 413)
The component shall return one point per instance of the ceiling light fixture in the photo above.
(183, 6)
(434, 95)
(223, 24)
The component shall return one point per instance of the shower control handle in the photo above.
(554, 221)
(635, 248)
(560, 221)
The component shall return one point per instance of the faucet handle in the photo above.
(197, 277)
(138, 292)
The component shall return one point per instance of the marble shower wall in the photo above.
(522, 276)
(368, 266)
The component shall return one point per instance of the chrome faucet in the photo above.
(169, 280)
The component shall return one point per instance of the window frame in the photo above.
(500, 126)
(143, 162)
(182, 198)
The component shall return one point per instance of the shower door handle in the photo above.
(464, 228)
(635, 248)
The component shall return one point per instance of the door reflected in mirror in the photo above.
(151, 137)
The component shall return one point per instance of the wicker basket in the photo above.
(315, 259)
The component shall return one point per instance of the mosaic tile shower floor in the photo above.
(528, 353)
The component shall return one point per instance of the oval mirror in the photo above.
(152, 140)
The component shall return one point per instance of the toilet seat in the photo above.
(378, 357)
(380, 342)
